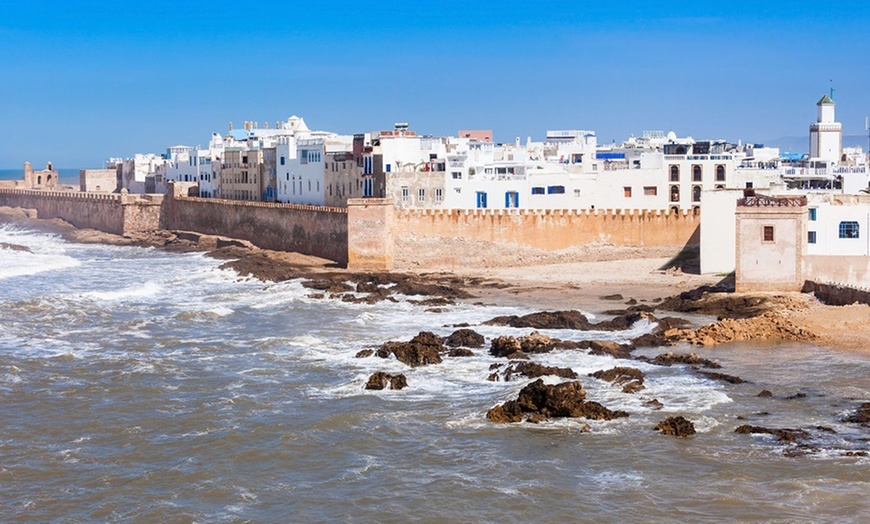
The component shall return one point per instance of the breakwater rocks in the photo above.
(538, 402)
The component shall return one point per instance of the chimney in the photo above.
(266, 125)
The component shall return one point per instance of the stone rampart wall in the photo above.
(479, 238)
(310, 230)
(835, 295)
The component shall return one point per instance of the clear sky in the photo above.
(85, 80)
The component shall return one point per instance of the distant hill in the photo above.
(801, 144)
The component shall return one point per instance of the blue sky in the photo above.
(85, 80)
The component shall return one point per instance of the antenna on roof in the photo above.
(867, 129)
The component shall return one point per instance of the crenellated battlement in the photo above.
(269, 205)
(634, 213)
(69, 195)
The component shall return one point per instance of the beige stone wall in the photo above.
(112, 213)
(764, 265)
(850, 271)
(491, 238)
(310, 230)
(98, 180)
(370, 243)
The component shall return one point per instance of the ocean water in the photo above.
(141, 385)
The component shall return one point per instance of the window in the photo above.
(811, 237)
(421, 195)
(813, 212)
(749, 185)
(282, 160)
(675, 193)
(848, 229)
(650, 191)
(576, 193)
(406, 194)
(537, 190)
(555, 190)
(457, 175)
(439, 195)
(626, 191)
(511, 199)
(675, 173)
(696, 173)
(481, 199)
(696, 194)
(720, 173)
(388, 168)
(767, 234)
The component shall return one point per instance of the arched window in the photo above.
(696, 193)
(675, 210)
(39, 180)
(675, 193)
(696, 173)
(675, 173)
(720, 173)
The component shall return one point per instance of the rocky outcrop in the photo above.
(654, 404)
(460, 352)
(860, 416)
(767, 326)
(380, 380)
(669, 359)
(606, 347)
(519, 347)
(568, 320)
(631, 379)
(506, 346)
(676, 426)
(15, 247)
(364, 353)
(544, 320)
(782, 435)
(731, 379)
(534, 370)
(465, 338)
(538, 401)
(422, 350)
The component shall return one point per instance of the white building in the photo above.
(826, 134)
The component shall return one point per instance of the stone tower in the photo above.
(826, 135)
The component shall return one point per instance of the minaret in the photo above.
(826, 135)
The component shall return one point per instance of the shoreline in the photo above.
(595, 287)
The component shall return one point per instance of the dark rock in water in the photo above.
(15, 247)
(460, 352)
(460, 325)
(676, 426)
(465, 338)
(783, 435)
(826, 429)
(630, 378)
(796, 396)
(494, 366)
(536, 343)
(504, 346)
(731, 379)
(765, 393)
(654, 404)
(413, 287)
(854, 454)
(622, 322)
(668, 359)
(631, 302)
(398, 381)
(380, 380)
(534, 370)
(436, 301)
(368, 287)
(493, 377)
(860, 416)
(365, 353)
(568, 320)
(544, 320)
(606, 347)
(331, 286)
(615, 296)
(539, 401)
(422, 350)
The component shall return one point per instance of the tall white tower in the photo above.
(826, 135)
